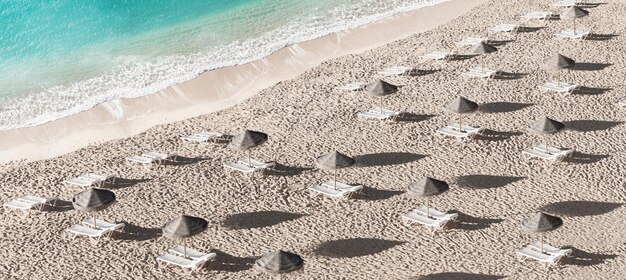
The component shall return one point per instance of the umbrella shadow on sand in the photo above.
(591, 125)
(230, 263)
(468, 222)
(180, 161)
(355, 247)
(370, 193)
(386, 159)
(582, 258)
(580, 208)
(58, 205)
(457, 276)
(284, 170)
(259, 219)
(138, 233)
(503, 107)
(415, 118)
(480, 181)
(587, 66)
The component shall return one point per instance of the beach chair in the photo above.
(394, 114)
(548, 249)
(540, 15)
(147, 159)
(351, 86)
(342, 186)
(187, 265)
(465, 127)
(191, 253)
(566, 4)
(380, 114)
(96, 233)
(204, 136)
(100, 224)
(471, 41)
(528, 253)
(505, 27)
(398, 71)
(559, 87)
(90, 179)
(329, 191)
(438, 55)
(432, 213)
(29, 202)
(455, 133)
(571, 34)
(256, 163)
(242, 168)
(551, 158)
(141, 160)
(480, 73)
(552, 150)
(413, 217)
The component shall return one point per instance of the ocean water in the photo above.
(60, 57)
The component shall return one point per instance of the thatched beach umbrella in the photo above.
(544, 126)
(334, 161)
(381, 88)
(428, 187)
(482, 48)
(558, 62)
(183, 227)
(461, 105)
(93, 200)
(573, 13)
(541, 222)
(247, 140)
(279, 262)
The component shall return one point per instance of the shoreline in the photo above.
(215, 90)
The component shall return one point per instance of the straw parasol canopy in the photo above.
(92, 200)
(573, 13)
(558, 62)
(246, 140)
(483, 48)
(428, 187)
(545, 126)
(334, 161)
(381, 88)
(183, 227)
(279, 262)
(461, 105)
(541, 222)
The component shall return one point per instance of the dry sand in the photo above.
(492, 186)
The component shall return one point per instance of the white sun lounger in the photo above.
(471, 41)
(148, 158)
(552, 150)
(398, 71)
(527, 253)
(571, 34)
(388, 112)
(533, 153)
(351, 86)
(480, 73)
(191, 253)
(243, 168)
(432, 213)
(79, 230)
(204, 136)
(188, 265)
(90, 179)
(566, 4)
(413, 217)
(438, 55)
(560, 87)
(462, 135)
(505, 27)
(540, 15)
(101, 224)
(256, 163)
(464, 127)
(28, 202)
(328, 191)
(342, 186)
(548, 249)
(377, 115)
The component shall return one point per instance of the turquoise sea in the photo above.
(60, 57)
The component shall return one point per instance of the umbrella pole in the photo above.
(574, 26)
(542, 242)
(545, 141)
(381, 105)
(94, 221)
(460, 127)
(249, 158)
(335, 180)
(427, 207)
(185, 247)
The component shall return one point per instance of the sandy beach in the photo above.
(492, 186)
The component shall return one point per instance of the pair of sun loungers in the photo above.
(29, 202)
(398, 71)
(549, 256)
(90, 179)
(559, 87)
(248, 166)
(187, 259)
(463, 132)
(147, 159)
(380, 114)
(94, 229)
(205, 136)
(549, 153)
(334, 189)
(431, 218)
